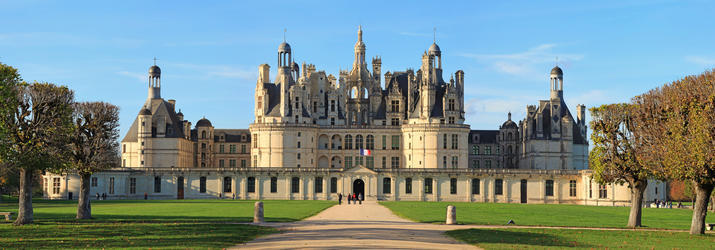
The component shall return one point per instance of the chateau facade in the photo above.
(315, 135)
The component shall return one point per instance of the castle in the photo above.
(315, 135)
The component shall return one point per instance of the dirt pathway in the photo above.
(366, 226)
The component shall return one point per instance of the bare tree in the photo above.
(677, 122)
(615, 154)
(93, 146)
(35, 121)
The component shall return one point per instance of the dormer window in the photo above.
(450, 105)
(395, 106)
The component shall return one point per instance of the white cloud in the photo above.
(528, 64)
(701, 60)
(221, 71)
(137, 76)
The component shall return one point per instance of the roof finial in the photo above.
(284, 34)
(360, 32)
(434, 35)
(557, 61)
(155, 61)
(509, 115)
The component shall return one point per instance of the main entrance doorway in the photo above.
(523, 191)
(359, 187)
(180, 188)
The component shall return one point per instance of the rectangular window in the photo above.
(251, 185)
(451, 120)
(455, 141)
(475, 186)
(111, 185)
(318, 185)
(94, 181)
(384, 162)
(475, 163)
(274, 184)
(220, 148)
(488, 150)
(395, 142)
(232, 149)
(202, 184)
(395, 121)
(298, 156)
(488, 164)
(227, 184)
(602, 192)
(220, 163)
(358, 160)
(295, 185)
(453, 186)
(395, 106)
(255, 160)
(132, 185)
(232, 163)
(408, 185)
(498, 187)
(157, 184)
(333, 185)
(243, 149)
(395, 162)
(348, 161)
(428, 185)
(475, 149)
(384, 142)
(332, 105)
(450, 105)
(572, 188)
(444, 141)
(243, 163)
(444, 161)
(455, 161)
(386, 186)
(590, 189)
(549, 187)
(255, 140)
(55, 185)
(370, 161)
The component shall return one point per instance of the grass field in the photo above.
(542, 214)
(587, 239)
(144, 224)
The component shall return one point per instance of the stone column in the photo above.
(288, 184)
(420, 188)
(394, 190)
(243, 186)
(326, 191)
(451, 215)
(259, 188)
(435, 188)
(507, 190)
(468, 189)
(311, 187)
(258, 212)
(542, 191)
(220, 186)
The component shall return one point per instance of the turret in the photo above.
(557, 83)
(154, 82)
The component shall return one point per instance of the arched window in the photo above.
(358, 142)
(348, 142)
(203, 134)
(370, 142)
(364, 93)
(354, 93)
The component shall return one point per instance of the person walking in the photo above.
(349, 198)
(360, 198)
(354, 198)
(340, 198)
(97, 196)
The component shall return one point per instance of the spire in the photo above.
(284, 34)
(509, 115)
(434, 35)
(360, 33)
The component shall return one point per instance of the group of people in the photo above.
(102, 197)
(665, 204)
(354, 198)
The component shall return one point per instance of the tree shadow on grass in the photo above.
(510, 237)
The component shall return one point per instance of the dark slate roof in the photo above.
(158, 106)
(274, 99)
(232, 135)
(204, 123)
(485, 136)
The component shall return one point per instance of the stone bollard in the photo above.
(451, 215)
(258, 212)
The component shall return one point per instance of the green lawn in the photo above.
(144, 224)
(542, 214)
(588, 239)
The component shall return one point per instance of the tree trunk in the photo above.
(24, 211)
(702, 196)
(84, 209)
(637, 189)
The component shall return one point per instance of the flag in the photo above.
(365, 152)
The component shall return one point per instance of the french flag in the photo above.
(365, 152)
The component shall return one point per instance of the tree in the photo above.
(677, 122)
(35, 121)
(615, 154)
(93, 146)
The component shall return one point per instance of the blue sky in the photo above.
(209, 52)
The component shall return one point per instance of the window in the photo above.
(369, 162)
(450, 104)
(386, 186)
(220, 148)
(274, 184)
(428, 185)
(572, 188)
(384, 142)
(251, 185)
(395, 142)
(455, 141)
(333, 185)
(590, 189)
(488, 164)
(395, 121)
(255, 160)
(498, 185)
(395, 162)
(408, 185)
(255, 140)
(202, 184)
(453, 186)
(444, 141)
(232, 163)
(488, 150)
(132, 185)
(111, 185)
(358, 160)
(602, 192)
(549, 187)
(395, 106)
(94, 181)
(348, 161)
(203, 134)
(318, 185)
(298, 145)
(295, 185)
(498, 147)
(475, 186)
(348, 142)
(298, 156)
(475, 163)
(474, 149)
(220, 163)
(370, 142)
(243, 163)
(124, 163)
(384, 162)
(55, 185)
(332, 121)
(124, 148)
(227, 184)
(455, 162)
(232, 149)
(451, 120)
(332, 105)
(157, 184)
(358, 142)
(243, 149)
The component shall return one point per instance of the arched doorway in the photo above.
(523, 191)
(180, 188)
(359, 187)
